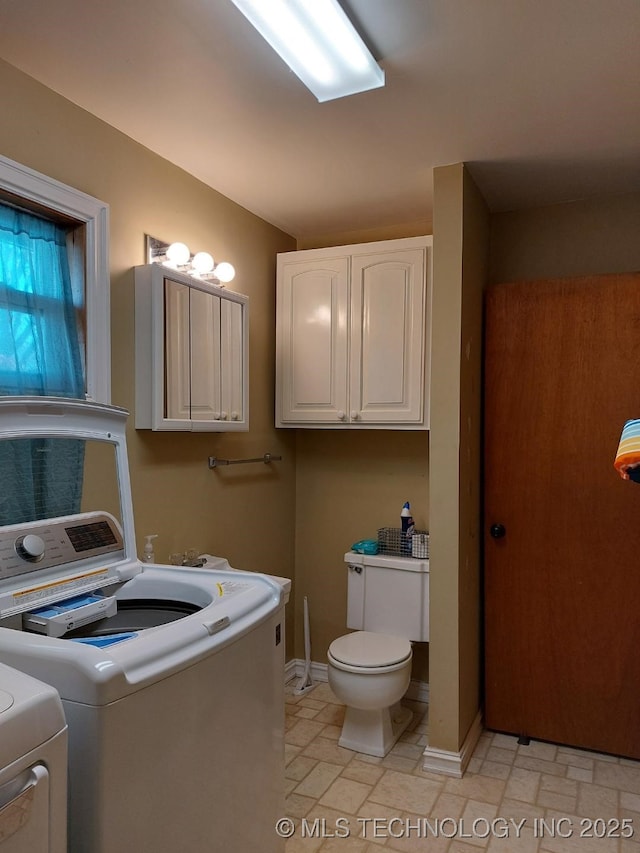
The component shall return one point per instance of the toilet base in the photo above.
(374, 732)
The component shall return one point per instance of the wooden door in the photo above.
(562, 575)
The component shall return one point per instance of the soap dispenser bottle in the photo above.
(149, 556)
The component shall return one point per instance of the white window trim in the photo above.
(28, 184)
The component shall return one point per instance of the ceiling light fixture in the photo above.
(318, 42)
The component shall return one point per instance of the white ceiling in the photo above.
(540, 97)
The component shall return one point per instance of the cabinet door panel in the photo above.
(176, 349)
(205, 356)
(190, 351)
(387, 334)
(313, 308)
(231, 345)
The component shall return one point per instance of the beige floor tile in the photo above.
(331, 732)
(595, 801)
(346, 794)
(344, 845)
(494, 769)
(448, 806)
(306, 702)
(318, 780)
(328, 750)
(302, 845)
(616, 776)
(579, 774)
(303, 732)
(559, 785)
(477, 787)
(519, 811)
(298, 768)
(297, 806)
(408, 793)
(523, 784)
(552, 800)
(522, 841)
(503, 756)
(290, 752)
(399, 762)
(360, 771)
(505, 782)
(305, 713)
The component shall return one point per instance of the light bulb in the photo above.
(202, 263)
(224, 272)
(178, 254)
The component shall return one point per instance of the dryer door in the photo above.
(24, 812)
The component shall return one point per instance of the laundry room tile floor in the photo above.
(538, 798)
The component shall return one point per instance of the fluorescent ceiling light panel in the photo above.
(318, 42)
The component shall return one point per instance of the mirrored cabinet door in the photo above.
(191, 353)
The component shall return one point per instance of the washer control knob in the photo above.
(30, 547)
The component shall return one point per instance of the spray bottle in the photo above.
(408, 527)
(149, 556)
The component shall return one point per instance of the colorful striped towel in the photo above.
(627, 461)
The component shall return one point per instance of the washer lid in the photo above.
(364, 648)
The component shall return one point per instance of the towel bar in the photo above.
(214, 462)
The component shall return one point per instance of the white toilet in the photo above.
(370, 669)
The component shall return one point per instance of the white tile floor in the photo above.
(538, 798)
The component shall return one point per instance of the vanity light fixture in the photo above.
(178, 256)
(318, 42)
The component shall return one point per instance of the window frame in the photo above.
(25, 183)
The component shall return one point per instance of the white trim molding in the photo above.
(27, 184)
(451, 763)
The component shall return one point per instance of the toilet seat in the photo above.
(368, 650)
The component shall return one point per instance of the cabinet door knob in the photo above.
(355, 415)
(342, 415)
(498, 531)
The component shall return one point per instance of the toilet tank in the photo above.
(388, 595)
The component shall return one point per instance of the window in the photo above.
(54, 288)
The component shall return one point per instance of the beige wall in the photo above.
(460, 254)
(244, 513)
(590, 237)
(348, 484)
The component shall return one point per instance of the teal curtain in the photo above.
(40, 349)
(40, 354)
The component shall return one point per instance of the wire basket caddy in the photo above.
(395, 542)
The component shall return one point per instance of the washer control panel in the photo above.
(57, 542)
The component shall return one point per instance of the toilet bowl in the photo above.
(370, 669)
(370, 673)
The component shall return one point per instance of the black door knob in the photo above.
(497, 531)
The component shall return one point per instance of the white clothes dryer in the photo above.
(171, 679)
(33, 766)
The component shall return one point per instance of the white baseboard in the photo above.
(418, 690)
(453, 763)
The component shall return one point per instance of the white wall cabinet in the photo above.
(191, 353)
(353, 336)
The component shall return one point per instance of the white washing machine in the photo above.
(33, 766)
(171, 679)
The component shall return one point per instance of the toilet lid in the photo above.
(364, 648)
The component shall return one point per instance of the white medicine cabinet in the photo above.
(353, 336)
(191, 353)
